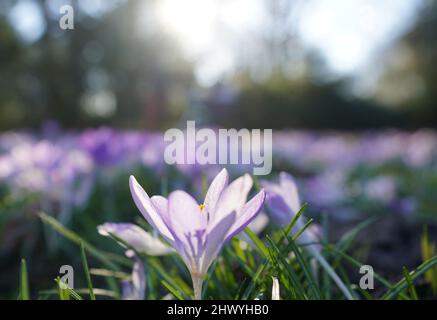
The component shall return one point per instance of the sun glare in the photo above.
(191, 21)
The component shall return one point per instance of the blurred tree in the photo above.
(117, 67)
(282, 103)
(11, 108)
(410, 77)
(109, 70)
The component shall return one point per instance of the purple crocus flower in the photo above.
(135, 287)
(199, 231)
(283, 203)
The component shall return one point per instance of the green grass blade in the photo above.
(87, 272)
(293, 221)
(410, 284)
(306, 225)
(172, 290)
(283, 265)
(358, 264)
(73, 237)
(306, 269)
(258, 243)
(348, 238)
(70, 235)
(63, 294)
(401, 285)
(180, 286)
(24, 282)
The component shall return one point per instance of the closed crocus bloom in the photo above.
(199, 231)
(140, 240)
(283, 204)
(135, 287)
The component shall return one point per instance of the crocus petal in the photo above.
(136, 288)
(270, 187)
(283, 203)
(247, 214)
(215, 240)
(233, 198)
(279, 210)
(146, 207)
(215, 190)
(289, 191)
(139, 279)
(187, 222)
(185, 213)
(136, 237)
(161, 205)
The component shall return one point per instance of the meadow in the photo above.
(334, 202)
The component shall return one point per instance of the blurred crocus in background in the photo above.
(198, 232)
(283, 203)
(135, 287)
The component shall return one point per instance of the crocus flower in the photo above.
(140, 240)
(135, 287)
(283, 203)
(199, 231)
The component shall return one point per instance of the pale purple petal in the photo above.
(136, 288)
(136, 237)
(233, 198)
(247, 214)
(215, 190)
(161, 205)
(270, 187)
(184, 212)
(280, 212)
(187, 223)
(289, 191)
(146, 207)
(215, 240)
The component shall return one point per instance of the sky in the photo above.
(348, 34)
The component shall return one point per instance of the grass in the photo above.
(24, 282)
(87, 272)
(243, 270)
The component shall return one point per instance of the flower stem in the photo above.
(197, 286)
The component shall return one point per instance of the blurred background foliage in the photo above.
(125, 66)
